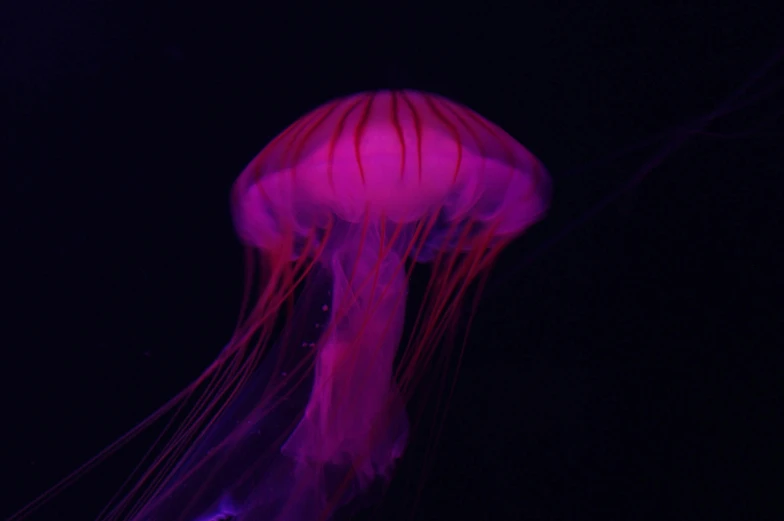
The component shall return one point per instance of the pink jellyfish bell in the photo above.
(363, 187)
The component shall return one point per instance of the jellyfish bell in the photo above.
(394, 156)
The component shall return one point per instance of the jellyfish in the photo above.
(304, 410)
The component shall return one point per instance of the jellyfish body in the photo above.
(360, 186)
(344, 202)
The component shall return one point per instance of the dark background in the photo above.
(628, 369)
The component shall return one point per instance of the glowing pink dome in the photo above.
(398, 155)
